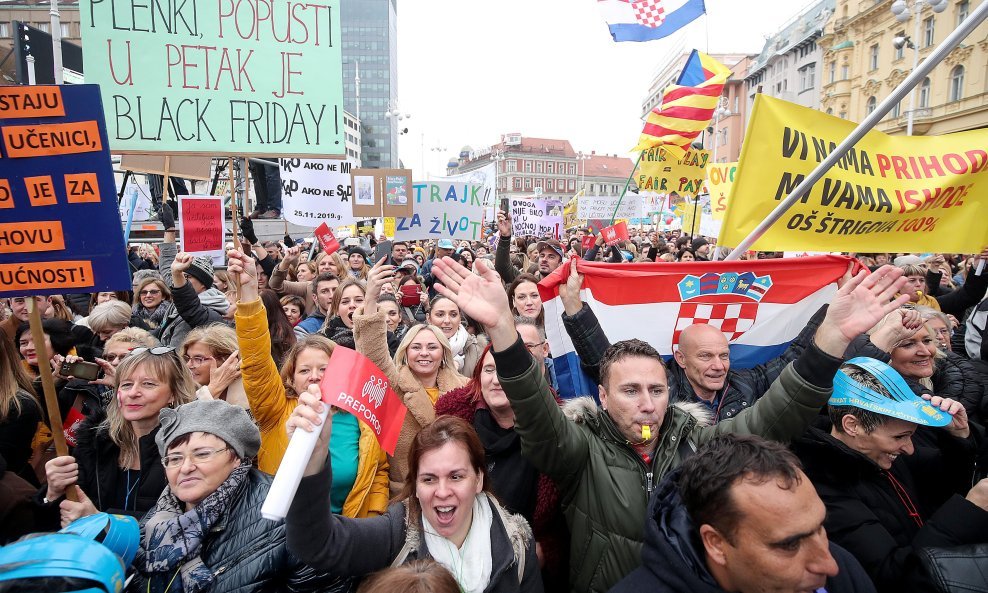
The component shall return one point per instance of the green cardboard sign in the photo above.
(236, 77)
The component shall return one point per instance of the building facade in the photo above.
(370, 50)
(35, 13)
(351, 134)
(548, 168)
(863, 64)
(789, 66)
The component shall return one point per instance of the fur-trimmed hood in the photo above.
(584, 410)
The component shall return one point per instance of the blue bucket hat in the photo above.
(903, 403)
(118, 533)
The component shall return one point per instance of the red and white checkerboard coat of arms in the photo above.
(728, 302)
(649, 12)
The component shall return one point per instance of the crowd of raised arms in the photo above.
(814, 471)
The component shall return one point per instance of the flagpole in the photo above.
(978, 15)
(626, 185)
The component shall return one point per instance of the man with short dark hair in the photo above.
(323, 288)
(399, 251)
(608, 458)
(551, 253)
(740, 516)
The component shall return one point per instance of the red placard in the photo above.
(352, 383)
(73, 420)
(201, 220)
(326, 239)
(588, 242)
(615, 233)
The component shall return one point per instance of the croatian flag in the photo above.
(761, 306)
(645, 20)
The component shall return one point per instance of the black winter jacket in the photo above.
(99, 473)
(673, 560)
(867, 513)
(247, 553)
(742, 388)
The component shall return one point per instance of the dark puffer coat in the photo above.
(247, 553)
(867, 512)
(99, 473)
(672, 561)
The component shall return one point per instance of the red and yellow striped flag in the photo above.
(685, 110)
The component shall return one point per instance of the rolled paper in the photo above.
(286, 481)
(646, 432)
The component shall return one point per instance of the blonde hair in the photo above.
(341, 266)
(132, 335)
(401, 358)
(60, 310)
(313, 341)
(219, 338)
(170, 369)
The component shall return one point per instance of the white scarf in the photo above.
(471, 565)
(456, 344)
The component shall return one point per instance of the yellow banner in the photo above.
(389, 226)
(720, 179)
(887, 194)
(660, 172)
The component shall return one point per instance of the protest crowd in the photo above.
(807, 472)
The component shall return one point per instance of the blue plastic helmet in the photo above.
(119, 533)
(61, 561)
(627, 255)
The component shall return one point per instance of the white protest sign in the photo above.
(538, 218)
(602, 207)
(485, 176)
(443, 210)
(142, 194)
(315, 191)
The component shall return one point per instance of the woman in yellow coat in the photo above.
(363, 491)
(423, 368)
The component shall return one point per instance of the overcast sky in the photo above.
(471, 70)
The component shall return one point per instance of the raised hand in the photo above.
(305, 417)
(897, 326)
(291, 254)
(379, 275)
(569, 291)
(223, 375)
(858, 305)
(504, 223)
(183, 261)
(481, 296)
(242, 269)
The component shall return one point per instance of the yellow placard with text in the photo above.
(720, 179)
(887, 194)
(662, 173)
(389, 226)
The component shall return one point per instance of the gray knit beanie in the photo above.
(213, 416)
(202, 270)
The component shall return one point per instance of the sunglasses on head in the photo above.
(157, 350)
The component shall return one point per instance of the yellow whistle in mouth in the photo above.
(646, 433)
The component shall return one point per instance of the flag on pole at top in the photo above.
(645, 20)
(687, 106)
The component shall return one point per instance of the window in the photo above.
(924, 93)
(550, 185)
(64, 28)
(870, 105)
(528, 166)
(830, 110)
(511, 166)
(528, 183)
(843, 115)
(901, 50)
(957, 83)
(550, 167)
(962, 11)
(572, 184)
(873, 57)
(845, 72)
(807, 77)
(897, 110)
(832, 69)
(928, 31)
(4, 29)
(46, 27)
(538, 166)
(517, 183)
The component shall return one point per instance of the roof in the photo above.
(608, 166)
(805, 26)
(539, 145)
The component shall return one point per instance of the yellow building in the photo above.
(862, 63)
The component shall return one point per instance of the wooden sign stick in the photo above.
(48, 385)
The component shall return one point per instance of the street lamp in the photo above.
(903, 12)
(582, 160)
(394, 113)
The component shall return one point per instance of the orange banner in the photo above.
(31, 237)
(25, 278)
(6, 198)
(30, 101)
(52, 139)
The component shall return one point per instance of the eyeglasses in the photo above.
(157, 350)
(112, 357)
(150, 292)
(198, 456)
(531, 346)
(197, 360)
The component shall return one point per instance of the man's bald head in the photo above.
(705, 356)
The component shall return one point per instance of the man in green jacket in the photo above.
(607, 460)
